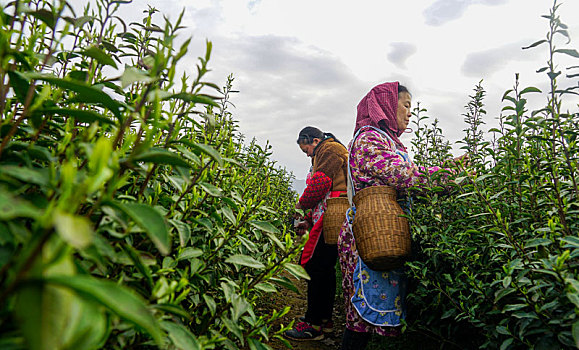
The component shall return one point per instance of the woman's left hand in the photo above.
(463, 160)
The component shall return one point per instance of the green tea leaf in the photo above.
(211, 189)
(114, 297)
(132, 75)
(184, 232)
(161, 156)
(150, 220)
(297, 270)
(31, 175)
(575, 332)
(46, 16)
(138, 262)
(57, 318)
(83, 116)
(79, 22)
(210, 304)
(172, 309)
(285, 282)
(189, 253)
(20, 84)
(99, 55)
(244, 260)
(202, 148)
(239, 307)
(529, 89)
(570, 52)
(85, 92)
(75, 230)
(266, 287)
(180, 336)
(536, 43)
(193, 98)
(228, 213)
(571, 242)
(505, 345)
(538, 242)
(12, 207)
(264, 226)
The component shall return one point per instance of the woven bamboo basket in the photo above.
(334, 217)
(382, 235)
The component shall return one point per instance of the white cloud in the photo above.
(442, 11)
(483, 64)
(400, 52)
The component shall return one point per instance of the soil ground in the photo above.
(333, 340)
(298, 304)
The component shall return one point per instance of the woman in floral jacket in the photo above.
(375, 299)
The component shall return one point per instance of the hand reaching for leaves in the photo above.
(302, 227)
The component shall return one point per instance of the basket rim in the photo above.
(338, 199)
(375, 190)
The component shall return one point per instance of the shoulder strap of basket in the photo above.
(351, 191)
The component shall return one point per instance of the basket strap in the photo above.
(350, 182)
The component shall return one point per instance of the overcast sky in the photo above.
(309, 62)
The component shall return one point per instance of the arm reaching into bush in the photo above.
(317, 186)
(378, 162)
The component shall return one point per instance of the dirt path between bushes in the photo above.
(298, 304)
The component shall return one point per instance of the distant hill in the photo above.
(299, 185)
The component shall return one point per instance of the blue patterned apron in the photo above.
(379, 296)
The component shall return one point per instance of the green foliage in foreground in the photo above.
(499, 259)
(132, 213)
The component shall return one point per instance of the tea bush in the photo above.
(498, 263)
(133, 214)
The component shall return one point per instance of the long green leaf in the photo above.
(83, 116)
(150, 220)
(85, 92)
(181, 337)
(161, 156)
(192, 98)
(570, 52)
(189, 253)
(172, 309)
(536, 43)
(132, 75)
(297, 270)
(99, 55)
(120, 300)
(202, 148)
(75, 230)
(184, 231)
(211, 189)
(20, 85)
(575, 332)
(13, 207)
(46, 16)
(244, 260)
(264, 226)
(138, 262)
(31, 175)
(530, 89)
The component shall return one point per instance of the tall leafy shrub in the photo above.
(498, 266)
(132, 212)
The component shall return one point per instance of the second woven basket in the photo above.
(334, 218)
(382, 235)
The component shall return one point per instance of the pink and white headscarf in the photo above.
(381, 104)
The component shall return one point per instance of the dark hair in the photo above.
(402, 88)
(308, 134)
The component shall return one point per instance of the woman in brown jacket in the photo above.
(327, 179)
